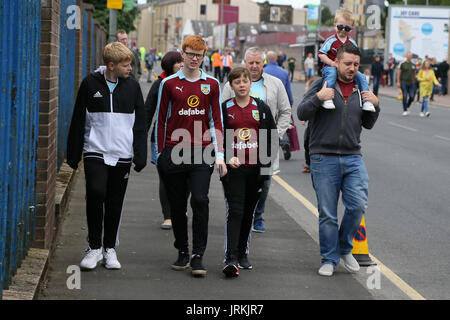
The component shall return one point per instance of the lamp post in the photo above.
(112, 25)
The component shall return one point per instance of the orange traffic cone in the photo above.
(360, 247)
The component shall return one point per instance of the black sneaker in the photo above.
(231, 269)
(197, 267)
(243, 262)
(286, 151)
(182, 262)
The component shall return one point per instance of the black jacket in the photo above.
(110, 126)
(377, 69)
(150, 105)
(266, 122)
(338, 130)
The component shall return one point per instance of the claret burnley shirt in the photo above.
(245, 123)
(331, 46)
(190, 105)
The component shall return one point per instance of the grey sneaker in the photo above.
(350, 262)
(92, 257)
(110, 259)
(326, 270)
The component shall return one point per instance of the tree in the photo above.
(125, 19)
(326, 18)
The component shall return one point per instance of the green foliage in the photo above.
(125, 19)
(326, 18)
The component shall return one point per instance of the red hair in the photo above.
(195, 43)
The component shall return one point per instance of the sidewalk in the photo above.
(285, 258)
(393, 92)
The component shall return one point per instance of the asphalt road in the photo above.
(408, 217)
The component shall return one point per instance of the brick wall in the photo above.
(48, 120)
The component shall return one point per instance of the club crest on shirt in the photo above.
(255, 114)
(205, 88)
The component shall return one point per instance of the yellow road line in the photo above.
(388, 273)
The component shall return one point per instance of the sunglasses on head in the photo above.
(340, 27)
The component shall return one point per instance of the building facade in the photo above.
(162, 24)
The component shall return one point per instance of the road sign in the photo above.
(114, 4)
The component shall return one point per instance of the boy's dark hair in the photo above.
(348, 48)
(236, 73)
(169, 59)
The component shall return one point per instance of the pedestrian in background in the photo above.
(206, 63)
(122, 37)
(309, 66)
(419, 63)
(291, 65)
(392, 64)
(336, 161)
(426, 79)
(272, 91)
(247, 118)
(443, 76)
(108, 129)
(227, 63)
(406, 78)
(306, 168)
(273, 69)
(150, 60)
(434, 67)
(171, 63)
(217, 65)
(376, 72)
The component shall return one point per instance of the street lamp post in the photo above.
(112, 25)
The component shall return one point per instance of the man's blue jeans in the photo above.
(330, 75)
(408, 90)
(330, 176)
(425, 104)
(376, 84)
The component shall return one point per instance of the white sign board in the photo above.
(420, 30)
(219, 36)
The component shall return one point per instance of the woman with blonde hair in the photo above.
(426, 78)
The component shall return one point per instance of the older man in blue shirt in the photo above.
(273, 69)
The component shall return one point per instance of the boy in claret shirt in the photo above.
(187, 113)
(343, 24)
(245, 119)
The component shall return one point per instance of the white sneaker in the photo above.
(368, 106)
(326, 270)
(405, 113)
(92, 257)
(328, 104)
(110, 259)
(350, 262)
(422, 114)
(427, 113)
